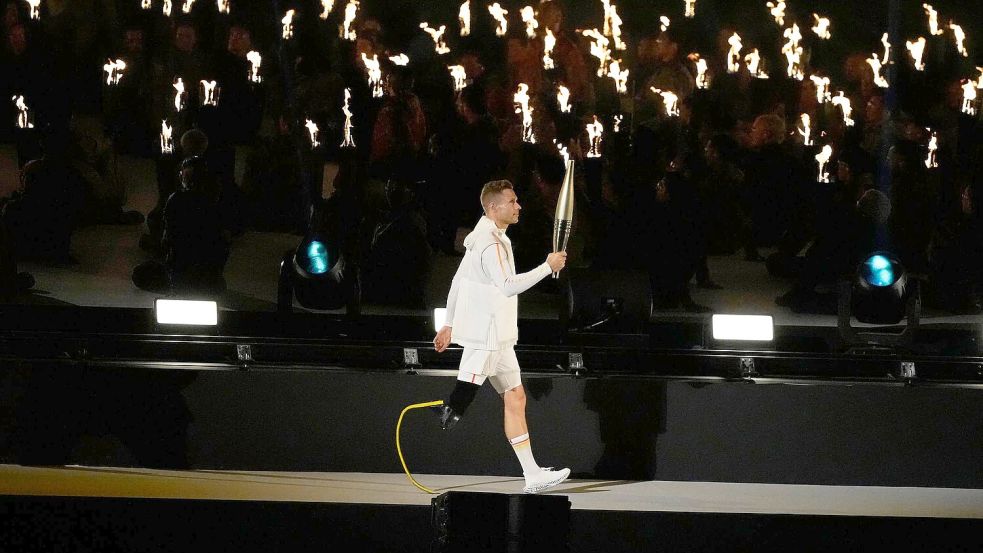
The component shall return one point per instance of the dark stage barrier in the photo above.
(630, 427)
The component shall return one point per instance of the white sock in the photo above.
(523, 450)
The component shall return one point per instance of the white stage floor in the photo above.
(395, 489)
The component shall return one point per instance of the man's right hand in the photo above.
(557, 261)
(443, 339)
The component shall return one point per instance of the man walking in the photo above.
(482, 315)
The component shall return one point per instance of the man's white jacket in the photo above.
(482, 306)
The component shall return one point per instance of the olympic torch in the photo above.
(563, 220)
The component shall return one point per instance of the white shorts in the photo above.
(500, 367)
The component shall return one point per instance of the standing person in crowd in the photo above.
(956, 258)
(482, 313)
(771, 184)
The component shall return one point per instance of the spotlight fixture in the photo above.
(186, 312)
(753, 328)
(439, 318)
(881, 293)
(317, 272)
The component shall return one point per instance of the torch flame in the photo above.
(464, 18)
(326, 6)
(805, 130)
(166, 138)
(777, 11)
(599, 49)
(147, 4)
(223, 6)
(401, 60)
(186, 7)
(843, 103)
(459, 75)
(529, 18)
(753, 61)
(664, 23)
(347, 142)
(887, 49)
(617, 122)
(288, 24)
(969, 98)
(166, 8)
(498, 13)
(620, 76)
(669, 100)
(595, 131)
(208, 93)
(822, 88)
(875, 66)
(793, 52)
(917, 50)
(23, 115)
(933, 19)
(564, 153)
(563, 98)
(351, 10)
(823, 158)
(255, 60)
(821, 28)
(312, 131)
(375, 74)
(702, 79)
(178, 94)
(114, 71)
(932, 161)
(438, 37)
(690, 9)
(612, 24)
(521, 99)
(549, 42)
(734, 55)
(35, 8)
(960, 39)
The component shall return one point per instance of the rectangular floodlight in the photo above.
(186, 312)
(760, 328)
(439, 318)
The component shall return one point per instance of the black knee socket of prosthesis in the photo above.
(462, 396)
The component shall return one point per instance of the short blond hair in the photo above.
(492, 189)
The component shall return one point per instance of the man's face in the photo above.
(18, 39)
(505, 209)
(185, 39)
(133, 41)
(239, 41)
(759, 134)
(665, 48)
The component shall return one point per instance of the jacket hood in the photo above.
(484, 226)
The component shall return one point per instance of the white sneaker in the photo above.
(545, 479)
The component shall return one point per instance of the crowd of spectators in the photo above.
(731, 174)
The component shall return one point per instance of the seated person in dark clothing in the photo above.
(193, 144)
(956, 258)
(41, 218)
(850, 234)
(398, 260)
(195, 247)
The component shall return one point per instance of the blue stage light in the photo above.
(317, 258)
(879, 271)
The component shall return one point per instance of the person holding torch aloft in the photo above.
(482, 317)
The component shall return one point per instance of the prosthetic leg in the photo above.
(461, 397)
